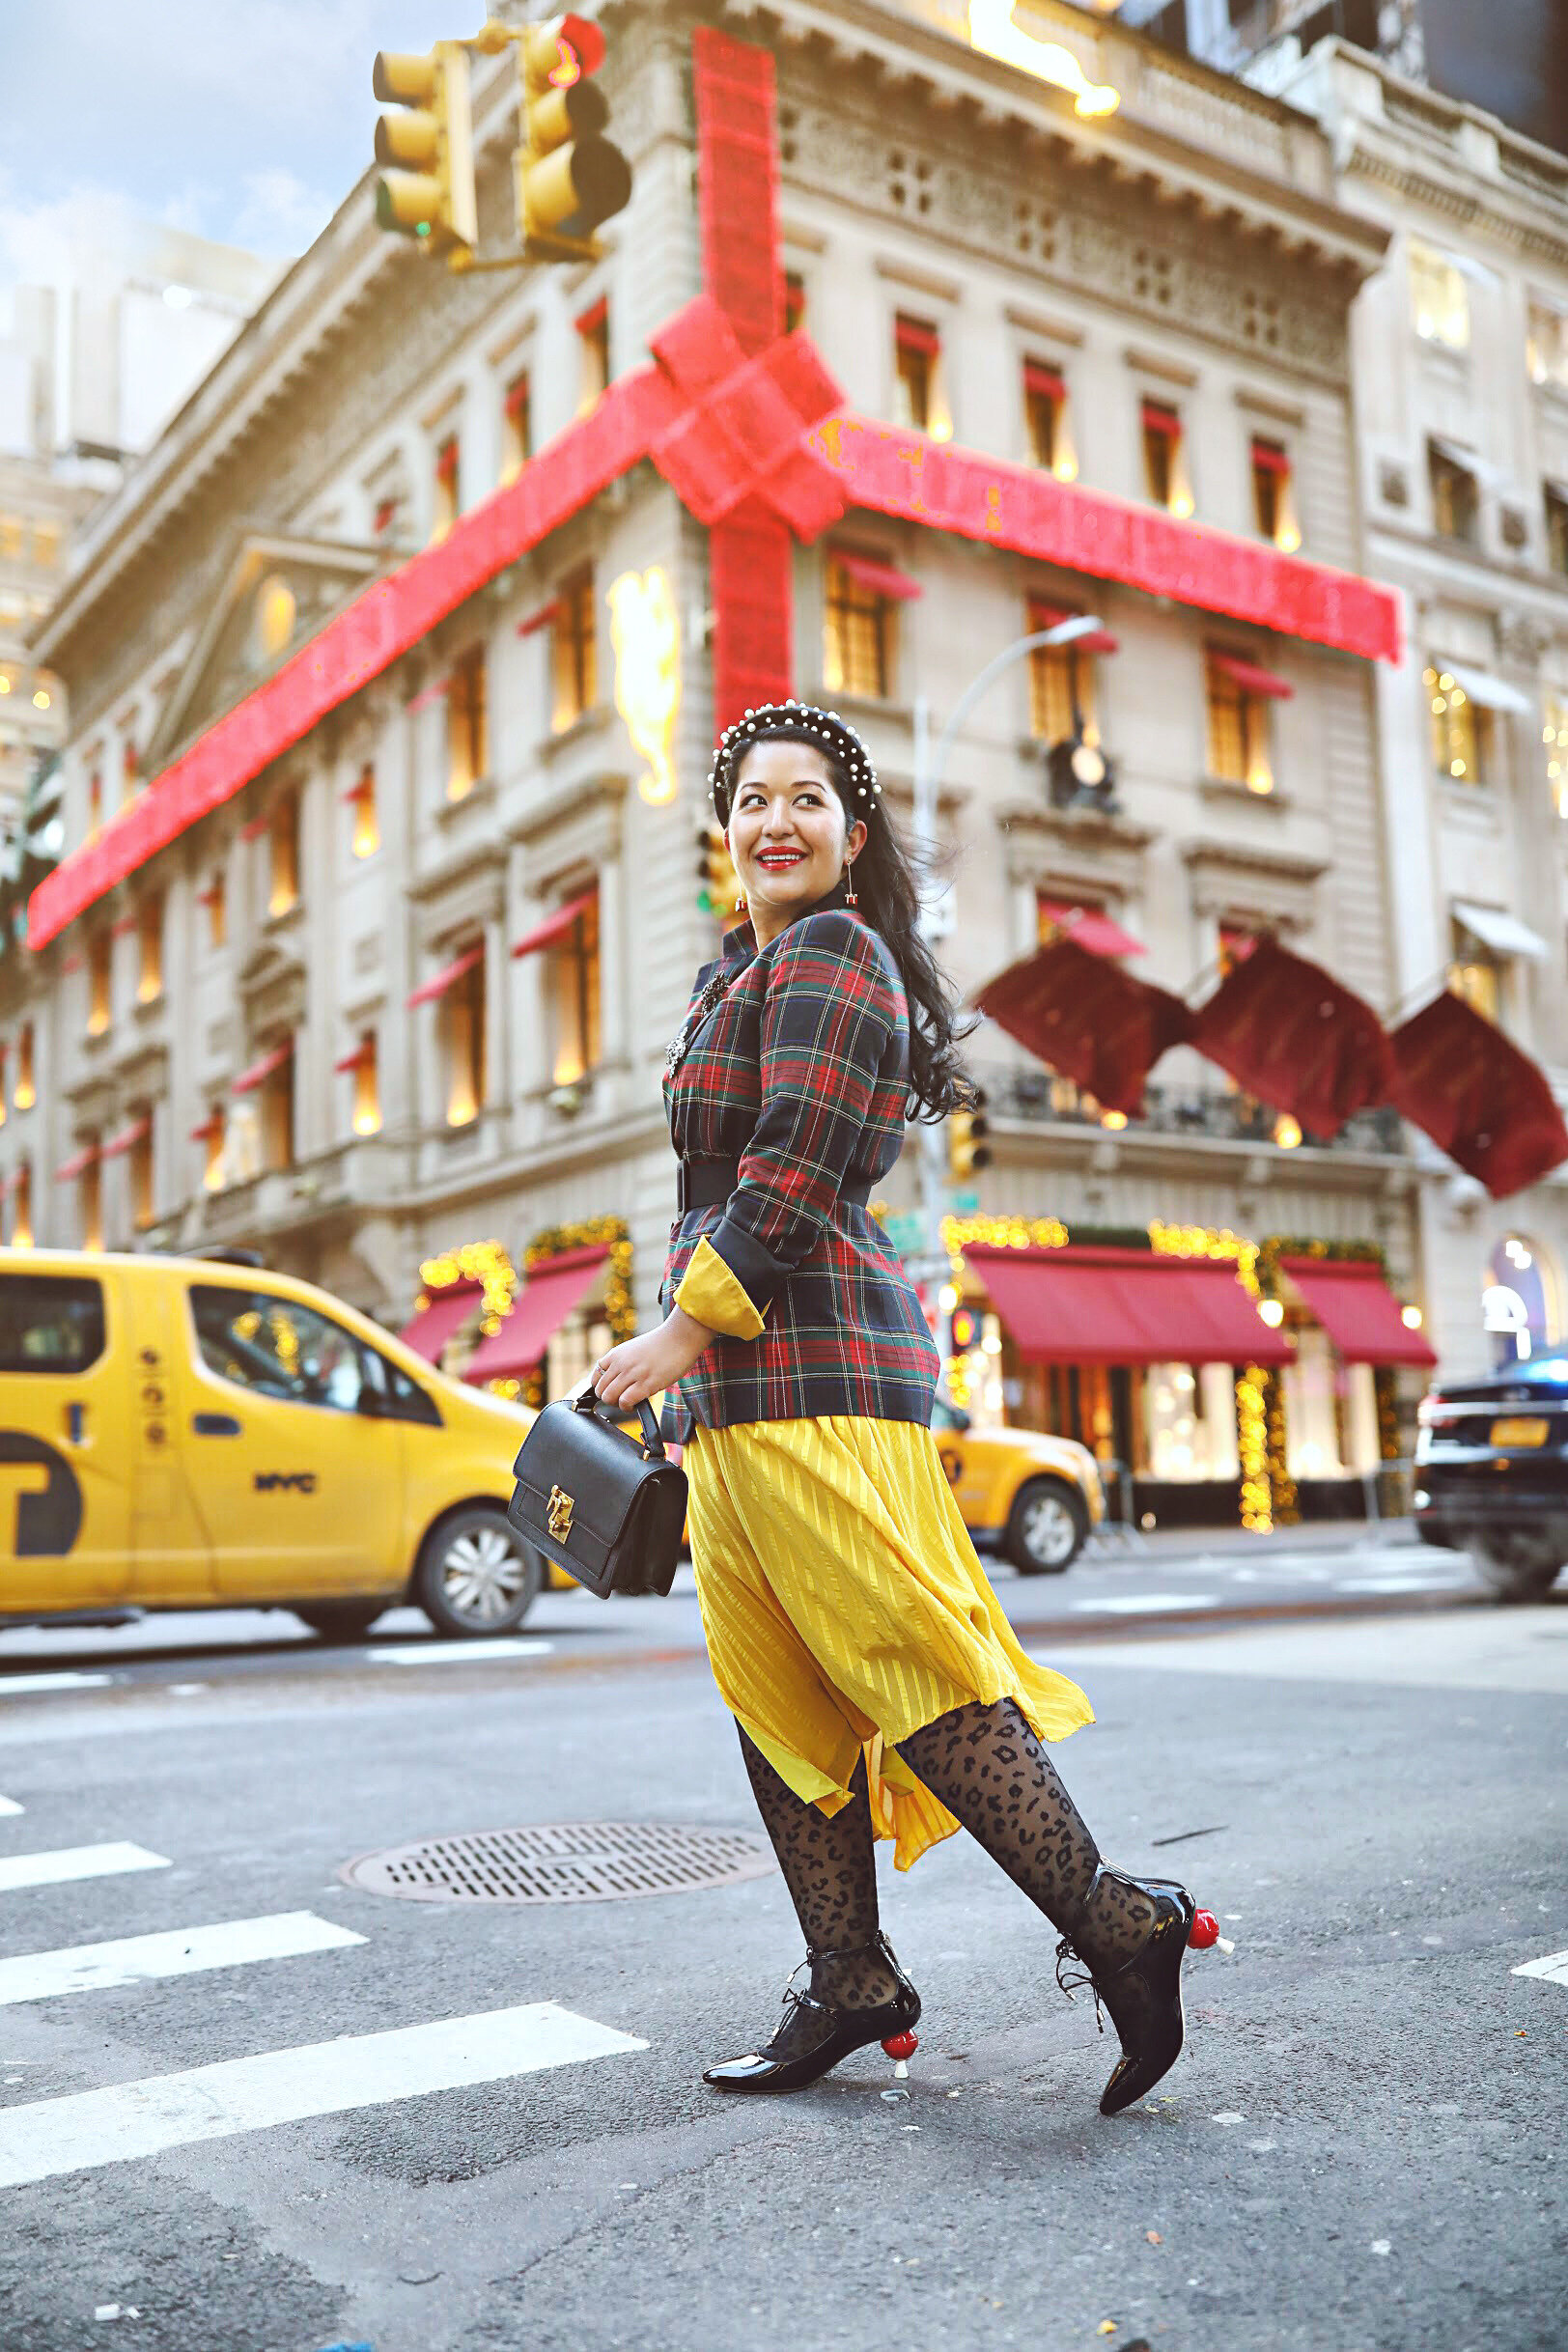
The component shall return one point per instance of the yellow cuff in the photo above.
(710, 1293)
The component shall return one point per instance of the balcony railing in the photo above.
(1204, 1114)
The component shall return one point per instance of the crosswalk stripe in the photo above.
(14, 1685)
(1554, 1968)
(459, 1653)
(1126, 1605)
(90, 2128)
(179, 1951)
(8, 1804)
(76, 1861)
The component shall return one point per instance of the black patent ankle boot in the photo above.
(818, 2032)
(1144, 1994)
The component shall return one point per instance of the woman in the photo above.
(878, 1687)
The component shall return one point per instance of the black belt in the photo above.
(707, 1184)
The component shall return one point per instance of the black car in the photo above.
(1491, 1474)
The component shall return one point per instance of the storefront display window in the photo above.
(1519, 1302)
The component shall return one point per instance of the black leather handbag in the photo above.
(600, 1506)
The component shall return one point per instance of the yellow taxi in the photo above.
(186, 1433)
(1025, 1497)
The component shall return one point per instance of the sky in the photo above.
(247, 121)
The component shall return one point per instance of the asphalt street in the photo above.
(496, 2135)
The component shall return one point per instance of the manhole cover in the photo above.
(563, 1862)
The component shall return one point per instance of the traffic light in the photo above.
(427, 190)
(569, 177)
(968, 1151)
(720, 884)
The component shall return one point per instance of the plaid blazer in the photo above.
(801, 1071)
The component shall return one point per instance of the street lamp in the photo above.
(930, 765)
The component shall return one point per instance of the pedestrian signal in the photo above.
(719, 884)
(569, 177)
(427, 191)
(968, 1151)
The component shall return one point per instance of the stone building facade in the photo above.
(374, 989)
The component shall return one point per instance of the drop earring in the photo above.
(741, 904)
(849, 899)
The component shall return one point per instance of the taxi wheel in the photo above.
(341, 1620)
(1045, 1528)
(476, 1574)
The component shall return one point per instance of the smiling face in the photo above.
(785, 800)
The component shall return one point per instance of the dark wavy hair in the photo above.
(888, 875)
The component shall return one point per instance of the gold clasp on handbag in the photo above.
(561, 1506)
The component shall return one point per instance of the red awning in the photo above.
(254, 828)
(589, 322)
(448, 977)
(1089, 1018)
(1048, 382)
(883, 579)
(212, 1125)
(1093, 929)
(1125, 1307)
(85, 1159)
(1269, 459)
(127, 1138)
(554, 926)
(1092, 641)
(534, 622)
(918, 335)
(446, 1313)
(553, 1290)
(363, 1053)
(1292, 1035)
(259, 1072)
(1250, 678)
(436, 691)
(1487, 1105)
(1157, 418)
(1359, 1311)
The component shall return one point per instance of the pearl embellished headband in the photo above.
(774, 718)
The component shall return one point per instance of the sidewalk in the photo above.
(1316, 1535)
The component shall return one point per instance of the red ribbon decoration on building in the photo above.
(1474, 1092)
(1089, 1018)
(1292, 1035)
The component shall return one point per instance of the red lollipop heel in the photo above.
(1204, 1931)
(900, 2048)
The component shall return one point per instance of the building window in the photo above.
(1439, 300)
(45, 542)
(1476, 973)
(384, 515)
(1556, 529)
(278, 1114)
(367, 1110)
(366, 838)
(517, 427)
(283, 840)
(25, 1092)
(10, 537)
(140, 1160)
(275, 614)
(150, 950)
(1238, 728)
(1274, 494)
(90, 1198)
(94, 804)
(465, 1044)
(210, 1135)
(593, 343)
(794, 300)
(213, 900)
(1045, 418)
(446, 508)
(1555, 738)
(1546, 349)
(100, 982)
(572, 987)
(574, 649)
(21, 1216)
(1461, 729)
(467, 724)
(1455, 500)
(131, 771)
(1164, 458)
(1061, 684)
(858, 634)
(918, 400)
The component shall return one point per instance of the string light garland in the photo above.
(619, 1311)
(484, 1262)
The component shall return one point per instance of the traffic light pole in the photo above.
(930, 765)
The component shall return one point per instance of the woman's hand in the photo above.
(632, 1373)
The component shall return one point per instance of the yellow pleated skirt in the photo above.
(845, 1606)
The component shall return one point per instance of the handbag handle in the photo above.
(588, 1399)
